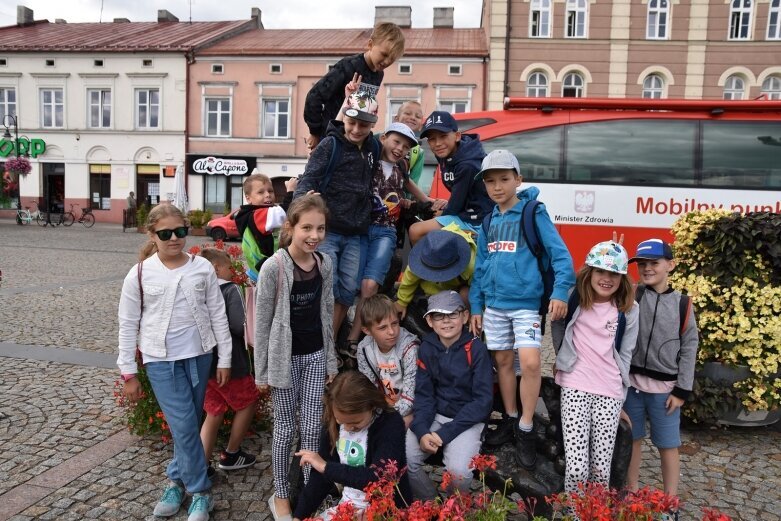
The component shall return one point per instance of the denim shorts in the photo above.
(665, 429)
(444, 220)
(379, 252)
(347, 253)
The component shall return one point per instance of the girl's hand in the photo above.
(132, 390)
(329, 379)
(557, 309)
(476, 324)
(624, 416)
(619, 240)
(673, 402)
(223, 376)
(407, 421)
(262, 388)
(312, 458)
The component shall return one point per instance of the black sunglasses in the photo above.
(165, 235)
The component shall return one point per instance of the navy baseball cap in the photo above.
(446, 302)
(440, 120)
(653, 249)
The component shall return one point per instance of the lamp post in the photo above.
(7, 135)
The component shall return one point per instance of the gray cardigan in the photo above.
(273, 335)
(567, 355)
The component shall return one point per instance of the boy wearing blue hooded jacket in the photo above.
(506, 293)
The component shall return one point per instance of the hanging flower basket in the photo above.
(18, 166)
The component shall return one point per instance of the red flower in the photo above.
(712, 514)
(483, 462)
(344, 512)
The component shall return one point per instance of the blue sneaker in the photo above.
(200, 507)
(169, 504)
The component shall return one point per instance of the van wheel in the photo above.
(218, 234)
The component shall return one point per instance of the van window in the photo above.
(741, 154)
(636, 152)
(538, 152)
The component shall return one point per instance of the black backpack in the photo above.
(531, 236)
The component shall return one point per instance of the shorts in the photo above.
(665, 429)
(511, 329)
(379, 252)
(347, 253)
(237, 394)
(444, 220)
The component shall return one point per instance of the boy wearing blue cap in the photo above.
(662, 369)
(508, 294)
(459, 157)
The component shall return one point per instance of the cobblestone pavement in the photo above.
(64, 452)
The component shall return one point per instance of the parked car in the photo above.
(222, 228)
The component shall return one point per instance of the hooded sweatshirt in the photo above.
(662, 353)
(468, 198)
(404, 356)
(256, 224)
(506, 272)
(447, 383)
(348, 194)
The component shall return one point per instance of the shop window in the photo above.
(100, 187)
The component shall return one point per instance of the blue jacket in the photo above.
(448, 384)
(507, 276)
(468, 198)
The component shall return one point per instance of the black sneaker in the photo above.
(503, 433)
(525, 447)
(237, 460)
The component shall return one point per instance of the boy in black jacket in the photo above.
(386, 45)
(240, 393)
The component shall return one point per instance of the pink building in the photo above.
(246, 93)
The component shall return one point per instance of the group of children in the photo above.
(484, 277)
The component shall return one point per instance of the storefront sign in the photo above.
(35, 147)
(220, 165)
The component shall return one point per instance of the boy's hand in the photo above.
(429, 443)
(407, 421)
(624, 416)
(223, 376)
(312, 458)
(401, 310)
(291, 184)
(673, 402)
(132, 390)
(557, 309)
(476, 324)
(311, 142)
(352, 85)
(437, 204)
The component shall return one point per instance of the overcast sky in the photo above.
(277, 14)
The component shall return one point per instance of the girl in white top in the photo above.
(172, 310)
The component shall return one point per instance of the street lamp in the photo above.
(7, 135)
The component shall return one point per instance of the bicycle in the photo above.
(26, 216)
(55, 219)
(86, 218)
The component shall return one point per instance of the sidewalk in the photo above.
(65, 454)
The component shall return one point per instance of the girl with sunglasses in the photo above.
(172, 310)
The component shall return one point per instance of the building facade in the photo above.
(108, 101)
(695, 49)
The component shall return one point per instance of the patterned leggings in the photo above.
(308, 377)
(589, 424)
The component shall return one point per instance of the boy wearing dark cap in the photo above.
(662, 369)
(453, 396)
(459, 157)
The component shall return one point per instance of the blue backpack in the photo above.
(531, 237)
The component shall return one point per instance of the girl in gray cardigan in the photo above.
(294, 345)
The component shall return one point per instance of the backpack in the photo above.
(684, 307)
(531, 236)
(336, 155)
(574, 302)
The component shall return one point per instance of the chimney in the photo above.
(24, 15)
(256, 17)
(60, 21)
(164, 15)
(400, 15)
(443, 17)
(121, 20)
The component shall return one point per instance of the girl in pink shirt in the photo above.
(592, 362)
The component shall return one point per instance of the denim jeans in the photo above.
(180, 388)
(379, 252)
(347, 253)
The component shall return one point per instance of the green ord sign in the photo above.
(35, 147)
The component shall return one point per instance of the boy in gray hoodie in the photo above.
(662, 368)
(388, 354)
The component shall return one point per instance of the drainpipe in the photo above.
(507, 52)
(190, 59)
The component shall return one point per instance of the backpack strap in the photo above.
(140, 291)
(374, 372)
(684, 309)
(620, 330)
(530, 233)
(572, 304)
(336, 155)
(639, 292)
(487, 223)
(468, 350)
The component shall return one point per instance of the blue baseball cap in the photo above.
(440, 120)
(653, 249)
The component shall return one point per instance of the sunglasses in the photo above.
(165, 235)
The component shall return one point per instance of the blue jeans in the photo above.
(347, 254)
(379, 252)
(180, 388)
